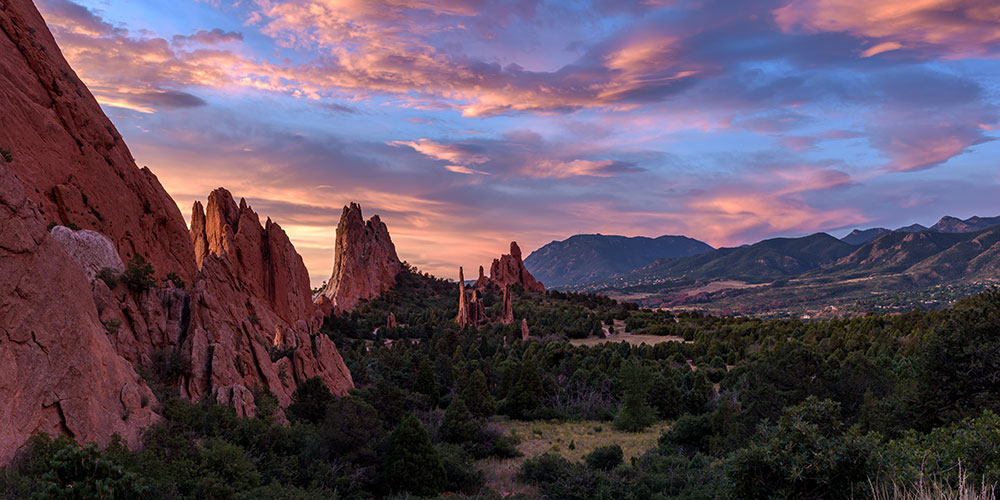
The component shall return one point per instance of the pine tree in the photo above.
(665, 396)
(477, 395)
(426, 382)
(527, 393)
(411, 462)
(458, 425)
(696, 399)
(635, 413)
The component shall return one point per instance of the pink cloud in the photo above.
(953, 28)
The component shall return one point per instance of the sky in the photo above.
(466, 124)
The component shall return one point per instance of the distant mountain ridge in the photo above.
(763, 261)
(862, 236)
(819, 274)
(591, 257)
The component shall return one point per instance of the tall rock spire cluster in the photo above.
(505, 273)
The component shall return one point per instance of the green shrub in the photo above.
(690, 433)
(605, 458)
(109, 276)
(309, 401)
(111, 325)
(807, 454)
(545, 468)
(463, 476)
(83, 474)
(974, 443)
(175, 279)
(6, 155)
(350, 430)
(458, 425)
(635, 413)
(138, 275)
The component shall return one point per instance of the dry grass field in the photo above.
(572, 440)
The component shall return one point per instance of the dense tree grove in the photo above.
(758, 408)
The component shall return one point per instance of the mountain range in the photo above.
(591, 257)
(813, 271)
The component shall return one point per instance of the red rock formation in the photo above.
(61, 369)
(471, 311)
(365, 264)
(507, 316)
(509, 270)
(250, 282)
(477, 311)
(463, 304)
(525, 334)
(483, 282)
(390, 321)
(59, 373)
(68, 155)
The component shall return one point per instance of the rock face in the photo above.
(525, 333)
(365, 264)
(509, 270)
(90, 249)
(68, 348)
(59, 373)
(390, 321)
(70, 158)
(263, 258)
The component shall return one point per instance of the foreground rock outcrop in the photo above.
(235, 315)
(365, 263)
(59, 372)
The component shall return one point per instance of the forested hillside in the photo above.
(753, 408)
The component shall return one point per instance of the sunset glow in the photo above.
(466, 124)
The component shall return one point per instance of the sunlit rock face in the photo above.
(365, 263)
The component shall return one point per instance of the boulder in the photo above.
(90, 249)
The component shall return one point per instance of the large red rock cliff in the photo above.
(365, 263)
(70, 158)
(70, 343)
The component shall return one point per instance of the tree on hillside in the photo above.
(635, 413)
(458, 425)
(526, 395)
(411, 462)
(426, 382)
(309, 401)
(477, 395)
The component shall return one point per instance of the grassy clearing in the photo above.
(631, 339)
(556, 436)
